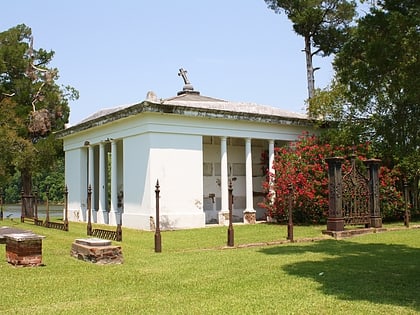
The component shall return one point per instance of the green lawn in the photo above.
(195, 274)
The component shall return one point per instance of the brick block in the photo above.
(24, 249)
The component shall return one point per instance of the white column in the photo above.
(114, 183)
(224, 175)
(91, 180)
(102, 182)
(272, 171)
(249, 188)
(271, 156)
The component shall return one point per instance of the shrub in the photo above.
(301, 165)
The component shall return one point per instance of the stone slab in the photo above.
(22, 237)
(10, 230)
(93, 242)
(352, 232)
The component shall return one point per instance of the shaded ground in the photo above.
(378, 273)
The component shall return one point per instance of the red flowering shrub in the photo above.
(391, 199)
(302, 165)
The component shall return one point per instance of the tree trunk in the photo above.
(309, 67)
(416, 196)
(27, 201)
(26, 178)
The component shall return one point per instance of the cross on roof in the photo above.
(183, 74)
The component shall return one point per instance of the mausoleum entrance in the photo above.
(246, 181)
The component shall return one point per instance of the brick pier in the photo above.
(24, 249)
(97, 251)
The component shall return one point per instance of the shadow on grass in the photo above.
(378, 273)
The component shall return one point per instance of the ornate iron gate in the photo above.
(353, 198)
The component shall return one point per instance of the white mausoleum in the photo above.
(193, 145)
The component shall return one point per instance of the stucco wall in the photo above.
(176, 161)
(75, 174)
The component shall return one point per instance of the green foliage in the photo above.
(325, 22)
(375, 94)
(51, 182)
(379, 66)
(44, 181)
(302, 165)
(12, 192)
(32, 107)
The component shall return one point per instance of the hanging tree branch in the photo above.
(39, 124)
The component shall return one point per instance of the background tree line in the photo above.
(374, 95)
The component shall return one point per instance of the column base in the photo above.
(224, 218)
(101, 217)
(114, 218)
(271, 220)
(250, 217)
(335, 224)
(375, 222)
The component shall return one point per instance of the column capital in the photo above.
(334, 160)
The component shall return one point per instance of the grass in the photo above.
(370, 274)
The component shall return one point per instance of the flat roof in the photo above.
(193, 105)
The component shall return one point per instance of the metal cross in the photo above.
(183, 74)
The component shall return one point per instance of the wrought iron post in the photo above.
(230, 231)
(290, 214)
(158, 239)
(89, 210)
(119, 233)
(335, 221)
(1, 203)
(47, 209)
(406, 199)
(36, 205)
(22, 212)
(66, 208)
(375, 209)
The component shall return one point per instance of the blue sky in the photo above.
(113, 52)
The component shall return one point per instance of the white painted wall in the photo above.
(76, 180)
(176, 161)
(137, 207)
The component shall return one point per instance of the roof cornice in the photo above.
(182, 110)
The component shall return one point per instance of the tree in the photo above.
(324, 25)
(32, 105)
(377, 86)
(8, 139)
